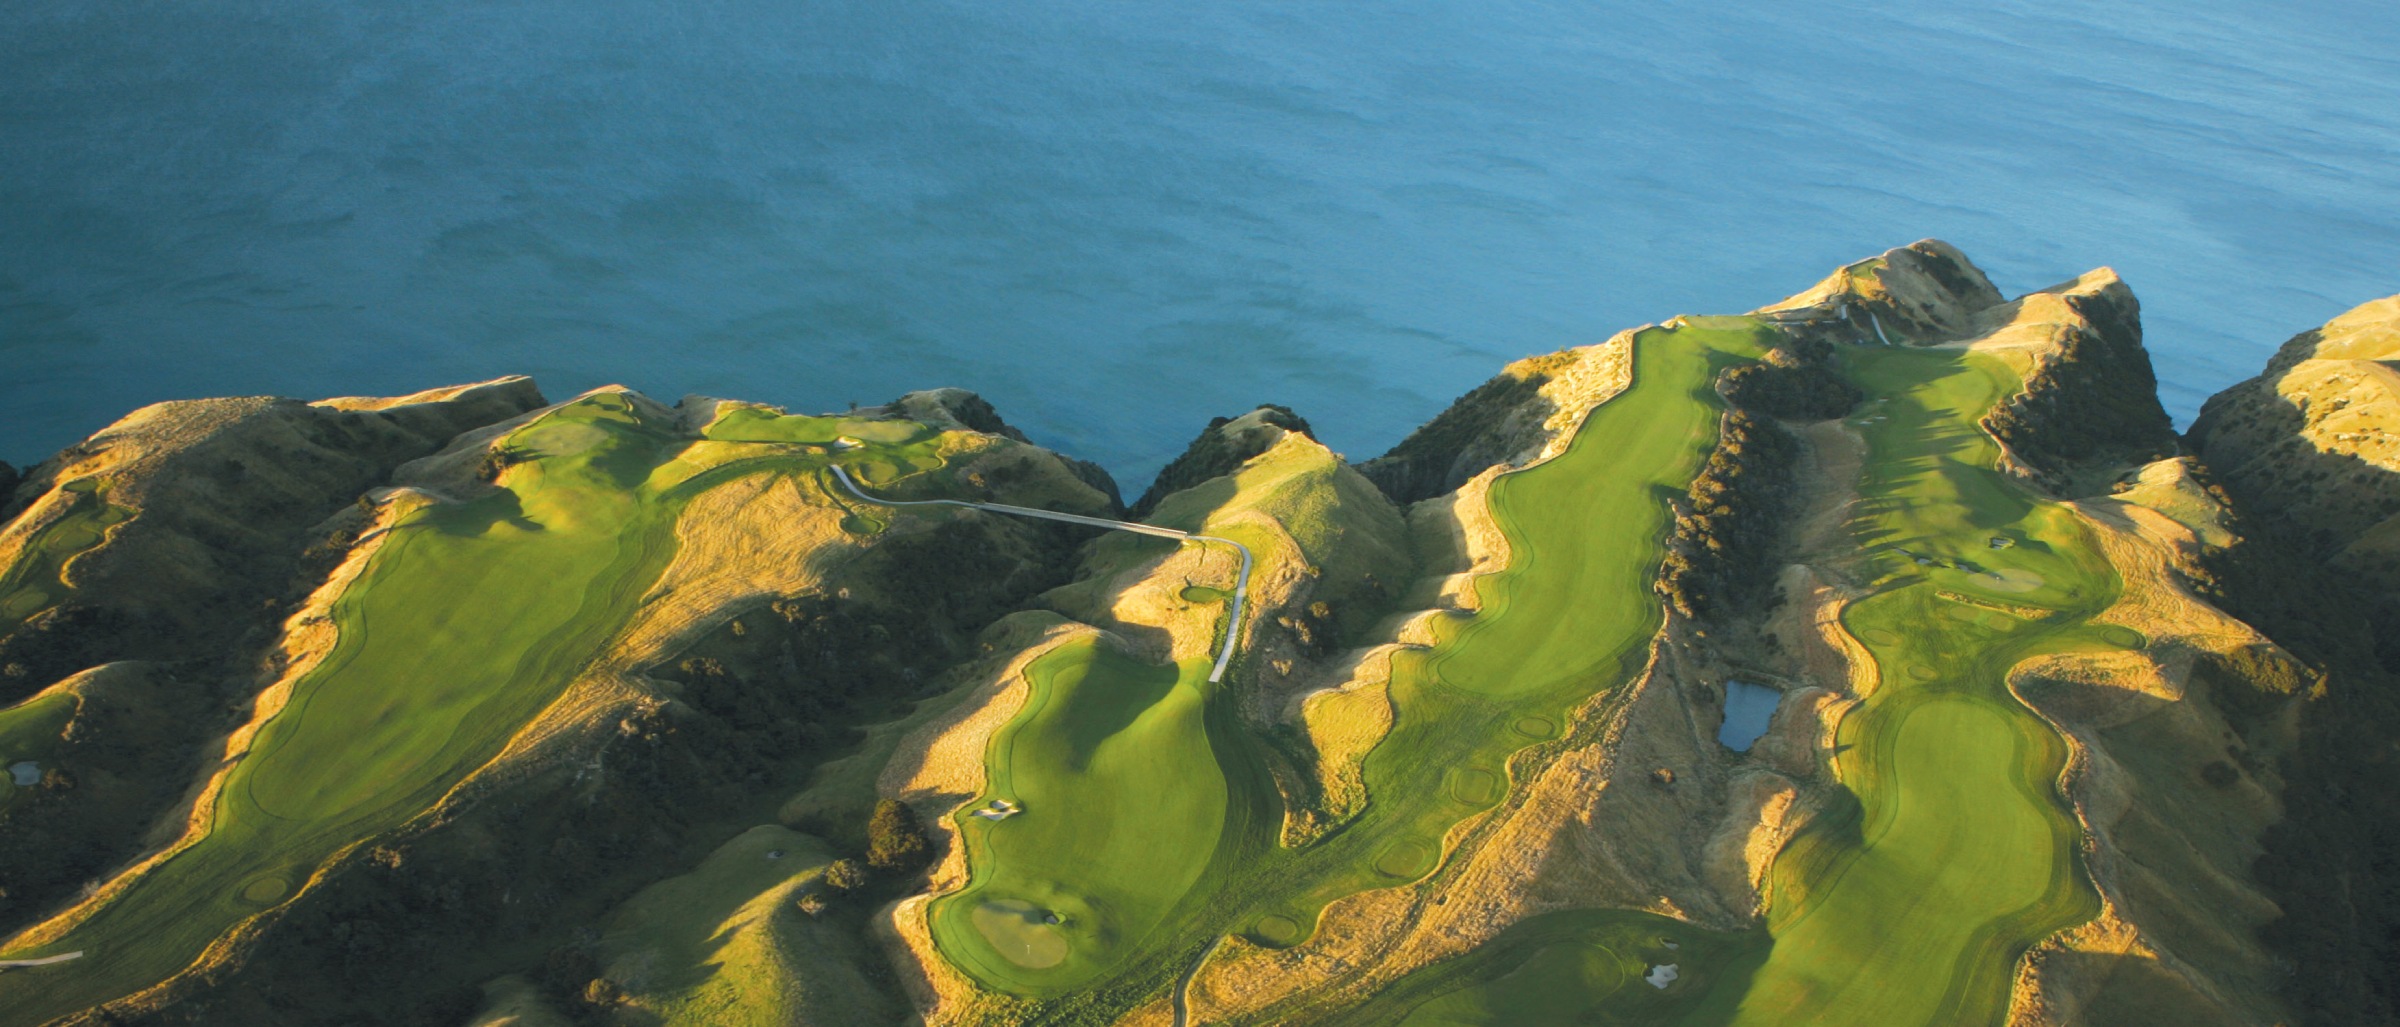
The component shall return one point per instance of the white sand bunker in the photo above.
(1660, 976)
(25, 774)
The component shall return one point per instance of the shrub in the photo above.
(846, 875)
(896, 842)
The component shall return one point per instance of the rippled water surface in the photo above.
(1116, 220)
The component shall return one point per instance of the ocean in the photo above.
(1117, 220)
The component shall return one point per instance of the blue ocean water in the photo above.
(1116, 220)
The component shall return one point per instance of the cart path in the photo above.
(1241, 584)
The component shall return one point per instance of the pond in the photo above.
(1747, 709)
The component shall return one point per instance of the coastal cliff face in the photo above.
(684, 811)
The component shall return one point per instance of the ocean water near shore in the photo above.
(1119, 220)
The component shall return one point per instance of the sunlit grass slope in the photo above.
(727, 946)
(471, 618)
(1912, 906)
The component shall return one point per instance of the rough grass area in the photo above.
(1582, 966)
(1914, 904)
(728, 944)
(471, 618)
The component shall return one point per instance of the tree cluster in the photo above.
(1441, 454)
(1797, 382)
(1729, 522)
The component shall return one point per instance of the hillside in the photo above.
(1878, 656)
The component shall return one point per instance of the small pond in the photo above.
(26, 773)
(1747, 708)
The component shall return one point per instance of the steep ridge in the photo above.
(2309, 455)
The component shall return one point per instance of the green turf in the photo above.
(726, 944)
(1576, 967)
(37, 580)
(470, 619)
(1123, 808)
(1912, 905)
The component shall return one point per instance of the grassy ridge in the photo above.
(470, 619)
(1912, 906)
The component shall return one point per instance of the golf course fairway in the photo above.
(1912, 905)
(1138, 764)
(470, 619)
(1123, 806)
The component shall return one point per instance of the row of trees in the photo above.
(1729, 522)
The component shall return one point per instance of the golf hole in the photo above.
(1020, 933)
(1880, 636)
(1474, 786)
(1406, 860)
(1278, 930)
(1536, 727)
(1922, 672)
(265, 890)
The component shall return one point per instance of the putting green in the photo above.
(467, 622)
(1123, 806)
(29, 733)
(1912, 905)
